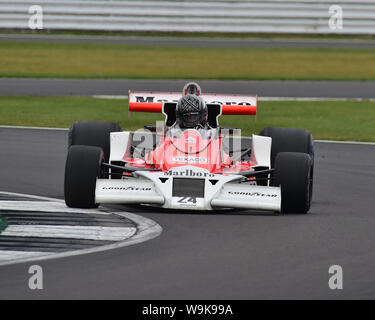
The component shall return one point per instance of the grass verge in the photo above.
(87, 60)
(3, 224)
(331, 120)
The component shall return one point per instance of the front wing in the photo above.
(188, 187)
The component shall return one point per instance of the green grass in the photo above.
(3, 224)
(332, 120)
(77, 60)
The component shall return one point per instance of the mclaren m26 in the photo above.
(197, 166)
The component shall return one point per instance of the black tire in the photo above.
(290, 140)
(292, 174)
(83, 166)
(90, 133)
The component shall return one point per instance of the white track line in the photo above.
(43, 206)
(103, 96)
(146, 229)
(34, 128)
(346, 142)
(263, 98)
(66, 129)
(312, 99)
(75, 232)
(31, 196)
(8, 256)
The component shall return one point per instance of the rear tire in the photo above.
(83, 166)
(292, 174)
(90, 133)
(291, 140)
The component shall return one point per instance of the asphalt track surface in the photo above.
(90, 87)
(197, 41)
(234, 255)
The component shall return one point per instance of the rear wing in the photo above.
(230, 104)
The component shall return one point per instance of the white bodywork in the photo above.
(220, 191)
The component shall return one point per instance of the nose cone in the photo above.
(191, 149)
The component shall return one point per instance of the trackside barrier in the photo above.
(267, 16)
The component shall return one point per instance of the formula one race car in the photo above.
(189, 161)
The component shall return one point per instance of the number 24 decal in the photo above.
(187, 199)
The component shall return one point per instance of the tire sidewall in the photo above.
(82, 168)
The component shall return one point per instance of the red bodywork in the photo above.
(190, 149)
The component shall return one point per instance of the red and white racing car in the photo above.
(189, 161)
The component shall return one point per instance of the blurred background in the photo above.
(311, 62)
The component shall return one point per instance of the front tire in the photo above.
(91, 133)
(82, 168)
(292, 174)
